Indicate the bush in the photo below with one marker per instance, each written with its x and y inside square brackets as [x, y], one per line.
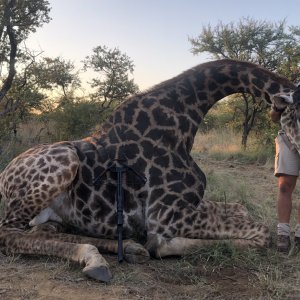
[76, 120]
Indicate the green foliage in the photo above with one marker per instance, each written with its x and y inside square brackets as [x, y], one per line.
[17, 20]
[26, 16]
[289, 65]
[30, 92]
[261, 42]
[49, 73]
[220, 115]
[76, 120]
[113, 84]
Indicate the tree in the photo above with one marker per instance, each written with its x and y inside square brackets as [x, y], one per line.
[77, 116]
[56, 72]
[17, 20]
[271, 45]
[113, 84]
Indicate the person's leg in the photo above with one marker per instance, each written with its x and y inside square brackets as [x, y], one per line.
[287, 167]
[286, 185]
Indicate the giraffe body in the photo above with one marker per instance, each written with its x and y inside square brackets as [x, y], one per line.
[153, 133]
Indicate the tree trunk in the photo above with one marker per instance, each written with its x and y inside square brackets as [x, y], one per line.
[249, 117]
[12, 55]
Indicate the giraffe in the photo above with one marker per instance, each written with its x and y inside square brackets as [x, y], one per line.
[291, 115]
[58, 200]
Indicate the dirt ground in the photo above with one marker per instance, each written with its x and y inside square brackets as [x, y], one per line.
[24, 277]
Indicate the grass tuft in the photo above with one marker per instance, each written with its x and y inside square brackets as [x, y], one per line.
[225, 254]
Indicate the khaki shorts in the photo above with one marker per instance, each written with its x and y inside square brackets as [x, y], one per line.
[287, 159]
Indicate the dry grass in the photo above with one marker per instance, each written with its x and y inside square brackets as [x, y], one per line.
[28, 134]
[225, 144]
[216, 141]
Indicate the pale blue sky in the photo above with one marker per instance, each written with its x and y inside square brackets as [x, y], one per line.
[153, 33]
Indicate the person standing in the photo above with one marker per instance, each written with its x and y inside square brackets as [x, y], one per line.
[287, 168]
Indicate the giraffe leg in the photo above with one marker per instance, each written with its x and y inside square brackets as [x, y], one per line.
[133, 252]
[232, 209]
[207, 225]
[179, 246]
[21, 243]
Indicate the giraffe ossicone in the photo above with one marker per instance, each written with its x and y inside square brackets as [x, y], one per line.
[154, 132]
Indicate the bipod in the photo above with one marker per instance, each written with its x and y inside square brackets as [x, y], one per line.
[120, 170]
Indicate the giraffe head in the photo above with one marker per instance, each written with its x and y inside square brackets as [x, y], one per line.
[290, 102]
[290, 118]
[282, 100]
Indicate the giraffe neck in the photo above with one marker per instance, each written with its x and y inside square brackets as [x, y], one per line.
[171, 112]
[215, 80]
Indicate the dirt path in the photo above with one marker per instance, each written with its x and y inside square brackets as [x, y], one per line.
[24, 277]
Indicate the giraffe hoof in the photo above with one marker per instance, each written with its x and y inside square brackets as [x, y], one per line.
[135, 253]
[99, 273]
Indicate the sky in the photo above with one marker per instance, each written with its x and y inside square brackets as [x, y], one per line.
[153, 33]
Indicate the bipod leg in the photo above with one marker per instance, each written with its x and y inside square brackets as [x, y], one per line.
[120, 208]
